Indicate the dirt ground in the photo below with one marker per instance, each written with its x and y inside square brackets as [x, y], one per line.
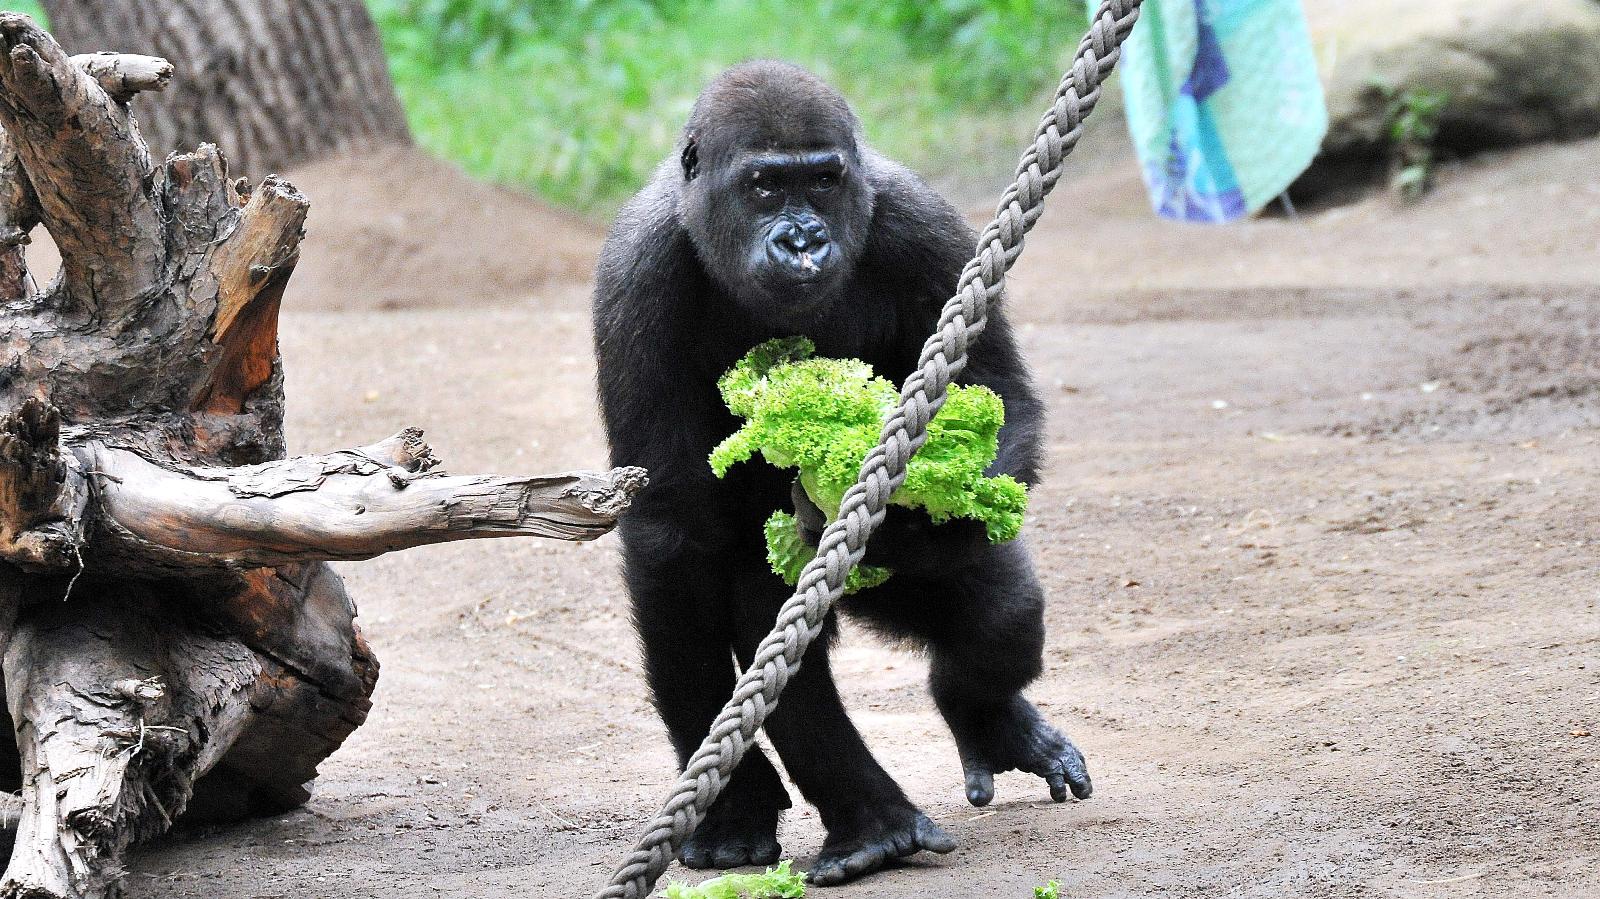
[1320, 532]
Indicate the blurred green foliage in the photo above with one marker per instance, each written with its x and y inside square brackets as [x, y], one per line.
[579, 99]
[1412, 116]
[30, 7]
[985, 50]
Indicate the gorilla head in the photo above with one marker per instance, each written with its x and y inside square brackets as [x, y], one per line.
[774, 196]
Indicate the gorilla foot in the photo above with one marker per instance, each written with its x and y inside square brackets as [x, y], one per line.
[1017, 738]
[891, 834]
[733, 842]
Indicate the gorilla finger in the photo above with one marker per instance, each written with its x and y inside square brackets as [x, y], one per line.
[827, 873]
[809, 517]
[833, 870]
[1057, 780]
[1077, 772]
[980, 784]
[932, 837]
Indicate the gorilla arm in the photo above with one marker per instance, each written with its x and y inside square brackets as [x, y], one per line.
[642, 343]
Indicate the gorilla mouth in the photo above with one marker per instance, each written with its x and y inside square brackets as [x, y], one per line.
[801, 266]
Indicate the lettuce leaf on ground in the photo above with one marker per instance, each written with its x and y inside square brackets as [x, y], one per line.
[775, 883]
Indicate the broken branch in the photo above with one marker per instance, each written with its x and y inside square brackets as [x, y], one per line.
[349, 505]
[252, 267]
[42, 494]
[19, 213]
[124, 74]
[89, 168]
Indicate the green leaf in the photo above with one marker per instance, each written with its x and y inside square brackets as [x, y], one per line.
[823, 416]
[789, 555]
[775, 883]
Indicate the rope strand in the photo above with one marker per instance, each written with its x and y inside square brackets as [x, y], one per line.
[844, 541]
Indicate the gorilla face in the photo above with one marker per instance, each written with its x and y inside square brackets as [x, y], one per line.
[777, 205]
[788, 200]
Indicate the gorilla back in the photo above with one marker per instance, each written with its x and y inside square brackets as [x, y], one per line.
[775, 219]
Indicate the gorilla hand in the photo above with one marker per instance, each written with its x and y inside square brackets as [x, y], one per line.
[907, 541]
[810, 521]
[911, 544]
[1015, 737]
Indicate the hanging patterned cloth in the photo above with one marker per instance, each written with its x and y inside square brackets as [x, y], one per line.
[1223, 102]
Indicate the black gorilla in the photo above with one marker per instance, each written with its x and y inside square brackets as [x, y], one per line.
[776, 220]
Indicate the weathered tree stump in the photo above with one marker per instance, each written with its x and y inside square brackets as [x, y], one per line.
[173, 636]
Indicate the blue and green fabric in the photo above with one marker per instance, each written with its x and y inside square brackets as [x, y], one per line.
[1223, 102]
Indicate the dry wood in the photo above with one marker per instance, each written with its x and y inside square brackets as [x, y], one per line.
[174, 641]
[347, 506]
[124, 74]
[19, 213]
[79, 147]
[43, 493]
[109, 756]
[252, 266]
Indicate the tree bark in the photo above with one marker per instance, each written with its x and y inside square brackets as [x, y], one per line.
[275, 82]
[172, 638]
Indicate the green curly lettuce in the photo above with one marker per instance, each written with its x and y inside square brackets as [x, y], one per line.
[822, 416]
[789, 554]
[774, 883]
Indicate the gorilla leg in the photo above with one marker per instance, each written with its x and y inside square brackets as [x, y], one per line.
[870, 821]
[689, 664]
[984, 628]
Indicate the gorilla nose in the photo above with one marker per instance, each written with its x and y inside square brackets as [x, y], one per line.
[800, 236]
[801, 246]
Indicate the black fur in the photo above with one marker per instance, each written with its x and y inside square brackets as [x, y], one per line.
[700, 267]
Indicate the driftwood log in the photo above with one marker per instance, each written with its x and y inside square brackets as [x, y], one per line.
[174, 640]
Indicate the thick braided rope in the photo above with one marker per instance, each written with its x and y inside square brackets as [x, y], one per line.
[844, 541]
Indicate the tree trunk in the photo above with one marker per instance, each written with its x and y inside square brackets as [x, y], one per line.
[275, 83]
[171, 636]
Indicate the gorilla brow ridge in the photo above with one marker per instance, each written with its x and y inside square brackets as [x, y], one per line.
[771, 105]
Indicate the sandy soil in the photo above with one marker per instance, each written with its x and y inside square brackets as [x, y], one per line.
[400, 229]
[1320, 535]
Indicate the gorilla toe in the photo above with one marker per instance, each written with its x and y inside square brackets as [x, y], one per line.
[894, 835]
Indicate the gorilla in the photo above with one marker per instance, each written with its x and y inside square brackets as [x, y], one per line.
[774, 219]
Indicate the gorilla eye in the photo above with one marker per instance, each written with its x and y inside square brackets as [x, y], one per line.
[761, 191]
[824, 182]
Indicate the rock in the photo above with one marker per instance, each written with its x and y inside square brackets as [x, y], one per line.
[1514, 71]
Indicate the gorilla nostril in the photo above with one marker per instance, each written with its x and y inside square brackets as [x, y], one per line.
[788, 236]
[798, 237]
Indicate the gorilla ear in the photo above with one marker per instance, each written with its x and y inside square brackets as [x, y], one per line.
[691, 157]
